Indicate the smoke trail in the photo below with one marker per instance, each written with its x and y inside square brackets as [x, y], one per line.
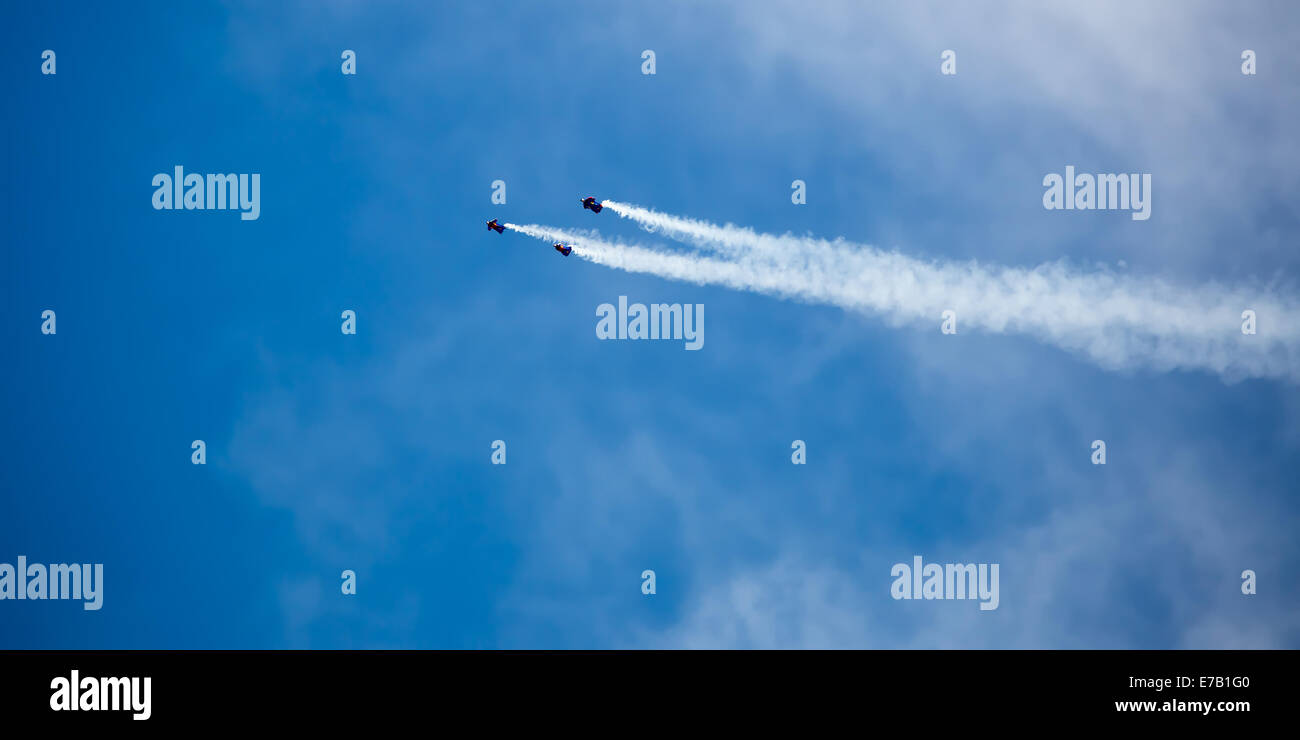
[674, 266]
[1116, 320]
[729, 239]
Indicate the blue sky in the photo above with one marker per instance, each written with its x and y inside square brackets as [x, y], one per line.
[371, 452]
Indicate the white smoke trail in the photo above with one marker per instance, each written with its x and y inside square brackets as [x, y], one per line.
[1116, 320]
[674, 266]
[729, 239]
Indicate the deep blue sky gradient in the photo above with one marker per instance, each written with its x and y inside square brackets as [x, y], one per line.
[371, 452]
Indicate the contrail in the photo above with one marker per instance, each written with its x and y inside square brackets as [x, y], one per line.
[1118, 321]
[731, 240]
[671, 265]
